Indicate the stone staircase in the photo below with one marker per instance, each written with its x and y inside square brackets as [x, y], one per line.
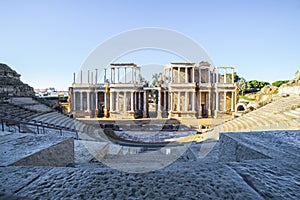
[282, 114]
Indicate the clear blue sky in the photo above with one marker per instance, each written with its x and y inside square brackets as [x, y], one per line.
[46, 41]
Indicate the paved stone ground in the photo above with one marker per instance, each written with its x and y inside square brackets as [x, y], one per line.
[201, 177]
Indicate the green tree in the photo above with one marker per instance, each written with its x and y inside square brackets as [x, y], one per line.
[254, 84]
[263, 84]
[279, 83]
[236, 77]
[242, 85]
[155, 79]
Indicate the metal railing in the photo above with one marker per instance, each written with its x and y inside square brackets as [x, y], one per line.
[40, 127]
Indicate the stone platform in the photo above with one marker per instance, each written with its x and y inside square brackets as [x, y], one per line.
[260, 165]
[19, 149]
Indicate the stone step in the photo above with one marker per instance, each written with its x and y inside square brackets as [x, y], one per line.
[114, 149]
[291, 114]
[296, 112]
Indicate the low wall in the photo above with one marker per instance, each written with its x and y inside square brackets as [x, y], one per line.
[36, 150]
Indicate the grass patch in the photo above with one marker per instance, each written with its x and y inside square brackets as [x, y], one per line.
[246, 98]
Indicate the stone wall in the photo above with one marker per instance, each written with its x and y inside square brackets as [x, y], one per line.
[11, 85]
[291, 90]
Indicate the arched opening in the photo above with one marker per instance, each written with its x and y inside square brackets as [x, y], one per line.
[240, 107]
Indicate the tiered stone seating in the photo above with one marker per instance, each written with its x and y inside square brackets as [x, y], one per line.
[282, 114]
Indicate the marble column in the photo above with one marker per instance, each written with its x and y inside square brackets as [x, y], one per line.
[165, 101]
[125, 71]
[172, 75]
[178, 101]
[186, 75]
[171, 101]
[88, 101]
[125, 102]
[74, 101]
[199, 75]
[134, 75]
[186, 98]
[224, 101]
[232, 75]
[193, 101]
[208, 76]
[105, 101]
[140, 101]
[81, 105]
[200, 106]
[145, 104]
[96, 102]
[131, 102]
[111, 101]
[217, 75]
[225, 75]
[111, 75]
[178, 75]
[117, 102]
[217, 101]
[193, 74]
[209, 104]
[232, 101]
[118, 75]
[158, 104]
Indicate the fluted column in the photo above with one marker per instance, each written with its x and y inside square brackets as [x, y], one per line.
[232, 75]
[111, 101]
[225, 75]
[178, 102]
[165, 101]
[186, 101]
[217, 101]
[178, 75]
[81, 105]
[217, 75]
[105, 101]
[208, 74]
[96, 101]
[132, 99]
[139, 99]
[186, 75]
[200, 106]
[88, 101]
[125, 69]
[117, 102]
[118, 75]
[158, 104]
[199, 75]
[171, 101]
[193, 101]
[209, 104]
[224, 101]
[74, 101]
[145, 104]
[125, 102]
[232, 101]
[193, 74]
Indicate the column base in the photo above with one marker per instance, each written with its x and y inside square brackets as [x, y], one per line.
[106, 113]
[159, 114]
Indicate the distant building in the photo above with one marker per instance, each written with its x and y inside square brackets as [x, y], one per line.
[185, 90]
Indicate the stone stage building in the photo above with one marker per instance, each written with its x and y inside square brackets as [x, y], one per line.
[184, 90]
